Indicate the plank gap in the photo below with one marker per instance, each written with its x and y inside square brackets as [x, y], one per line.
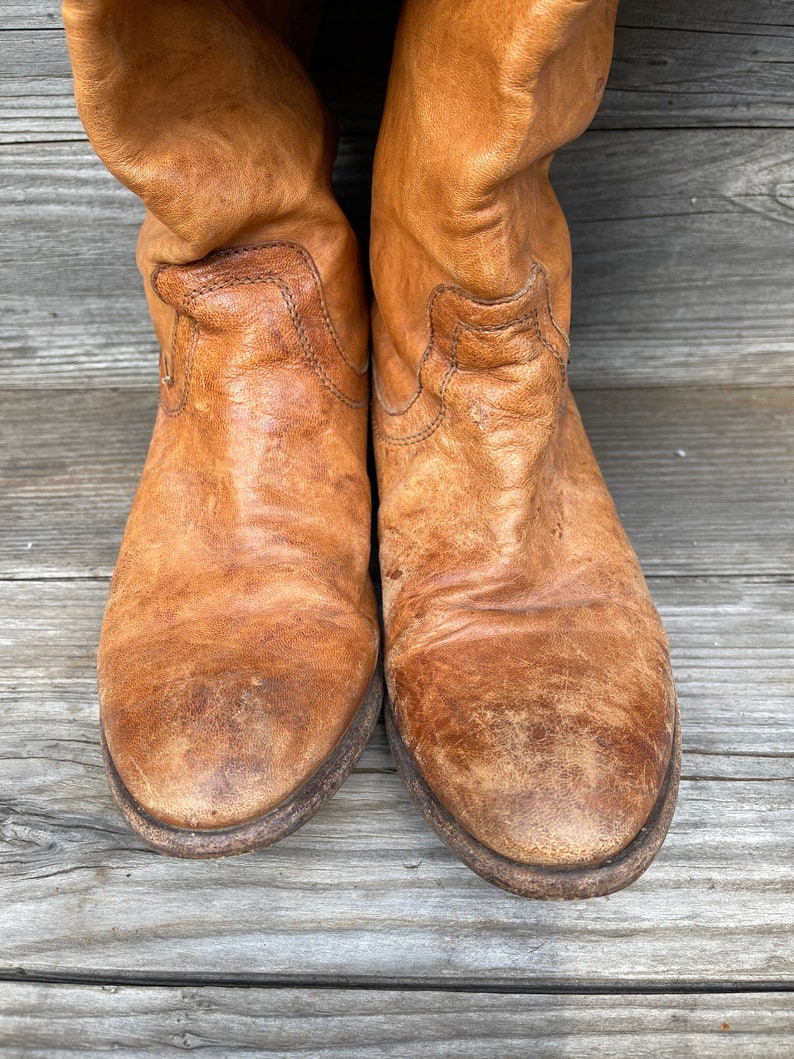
[539, 987]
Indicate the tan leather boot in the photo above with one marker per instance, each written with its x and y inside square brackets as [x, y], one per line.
[531, 707]
[238, 675]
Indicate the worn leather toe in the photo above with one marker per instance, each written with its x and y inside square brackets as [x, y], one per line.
[221, 746]
[554, 760]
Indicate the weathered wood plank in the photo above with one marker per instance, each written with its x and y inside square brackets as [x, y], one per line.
[69, 467]
[682, 256]
[701, 63]
[70, 461]
[683, 266]
[701, 479]
[73, 302]
[698, 64]
[365, 889]
[30, 14]
[85, 1021]
[36, 95]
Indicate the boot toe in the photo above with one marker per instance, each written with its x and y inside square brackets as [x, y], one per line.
[557, 765]
[556, 818]
[212, 750]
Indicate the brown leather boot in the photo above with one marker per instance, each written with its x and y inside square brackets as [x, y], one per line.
[238, 675]
[531, 707]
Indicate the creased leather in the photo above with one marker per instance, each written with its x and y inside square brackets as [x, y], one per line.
[240, 637]
[527, 667]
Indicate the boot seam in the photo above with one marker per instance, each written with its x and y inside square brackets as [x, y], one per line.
[460, 327]
[456, 292]
[308, 260]
[175, 410]
[303, 338]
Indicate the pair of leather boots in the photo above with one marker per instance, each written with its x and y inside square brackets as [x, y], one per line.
[529, 700]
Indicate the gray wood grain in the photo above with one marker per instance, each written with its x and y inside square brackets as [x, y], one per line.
[682, 256]
[30, 14]
[701, 63]
[365, 889]
[73, 299]
[36, 95]
[683, 266]
[70, 461]
[61, 1020]
[700, 478]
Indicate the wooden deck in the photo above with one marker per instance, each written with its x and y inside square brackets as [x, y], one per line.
[361, 935]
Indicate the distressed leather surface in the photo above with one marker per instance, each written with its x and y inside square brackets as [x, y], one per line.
[241, 634]
[527, 666]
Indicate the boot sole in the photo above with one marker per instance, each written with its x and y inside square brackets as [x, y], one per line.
[272, 826]
[536, 881]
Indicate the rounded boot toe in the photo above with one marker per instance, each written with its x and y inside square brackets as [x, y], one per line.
[554, 824]
[213, 751]
[540, 772]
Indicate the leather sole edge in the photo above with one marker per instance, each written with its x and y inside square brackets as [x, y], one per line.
[535, 881]
[272, 826]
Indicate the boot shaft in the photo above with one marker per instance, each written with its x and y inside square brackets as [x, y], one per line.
[480, 97]
[206, 113]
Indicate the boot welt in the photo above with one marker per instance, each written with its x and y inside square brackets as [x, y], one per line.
[274, 825]
[537, 881]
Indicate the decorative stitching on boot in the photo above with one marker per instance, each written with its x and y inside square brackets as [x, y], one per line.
[460, 296]
[435, 423]
[292, 308]
[308, 260]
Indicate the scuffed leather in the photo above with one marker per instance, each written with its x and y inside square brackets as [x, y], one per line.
[240, 637]
[527, 667]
